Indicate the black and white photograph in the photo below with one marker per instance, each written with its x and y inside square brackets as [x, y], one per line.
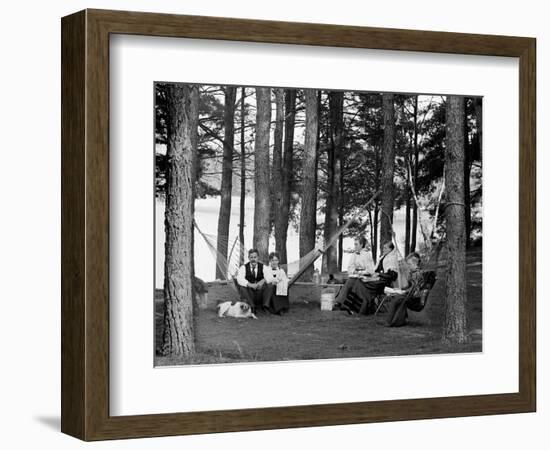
[309, 223]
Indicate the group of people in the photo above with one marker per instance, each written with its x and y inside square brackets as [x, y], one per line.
[367, 282]
[264, 288]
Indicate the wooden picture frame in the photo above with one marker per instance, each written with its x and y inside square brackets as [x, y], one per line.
[85, 224]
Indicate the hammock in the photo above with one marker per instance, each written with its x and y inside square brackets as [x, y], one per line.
[228, 266]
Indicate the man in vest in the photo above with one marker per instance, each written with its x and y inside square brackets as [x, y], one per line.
[250, 279]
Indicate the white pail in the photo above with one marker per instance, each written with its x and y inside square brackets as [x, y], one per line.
[327, 300]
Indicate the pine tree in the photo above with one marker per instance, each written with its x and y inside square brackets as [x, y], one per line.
[178, 335]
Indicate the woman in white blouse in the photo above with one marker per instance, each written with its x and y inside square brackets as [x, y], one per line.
[275, 295]
[360, 265]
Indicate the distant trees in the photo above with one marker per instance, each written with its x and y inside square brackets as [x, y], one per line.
[262, 200]
[182, 117]
[455, 329]
[419, 136]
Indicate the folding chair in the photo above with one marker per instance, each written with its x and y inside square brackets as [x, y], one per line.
[416, 304]
[382, 301]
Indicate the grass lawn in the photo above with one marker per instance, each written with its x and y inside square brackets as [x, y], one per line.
[306, 332]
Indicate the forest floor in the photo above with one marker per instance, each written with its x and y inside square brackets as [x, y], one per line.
[306, 332]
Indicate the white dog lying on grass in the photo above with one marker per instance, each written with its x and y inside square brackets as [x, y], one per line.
[237, 309]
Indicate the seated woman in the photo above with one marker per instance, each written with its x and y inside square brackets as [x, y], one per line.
[413, 296]
[360, 265]
[275, 294]
[365, 291]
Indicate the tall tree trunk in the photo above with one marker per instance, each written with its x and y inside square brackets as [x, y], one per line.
[455, 330]
[334, 169]
[479, 126]
[374, 245]
[243, 179]
[467, 167]
[341, 209]
[377, 168]
[414, 230]
[309, 196]
[178, 335]
[262, 200]
[340, 240]
[408, 208]
[371, 229]
[282, 216]
[227, 180]
[194, 127]
[277, 166]
[388, 164]
[407, 152]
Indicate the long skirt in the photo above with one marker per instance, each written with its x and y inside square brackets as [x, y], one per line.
[275, 303]
[397, 311]
[348, 286]
[367, 292]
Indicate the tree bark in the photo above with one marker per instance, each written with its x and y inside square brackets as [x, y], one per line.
[374, 244]
[388, 164]
[309, 196]
[227, 180]
[407, 157]
[282, 216]
[455, 330]
[194, 127]
[408, 209]
[334, 170]
[243, 179]
[467, 149]
[178, 334]
[277, 167]
[479, 126]
[262, 200]
[415, 178]
[377, 168]
[371, 231]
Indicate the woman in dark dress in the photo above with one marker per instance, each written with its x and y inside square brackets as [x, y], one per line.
[275, 295]
[413, 297]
